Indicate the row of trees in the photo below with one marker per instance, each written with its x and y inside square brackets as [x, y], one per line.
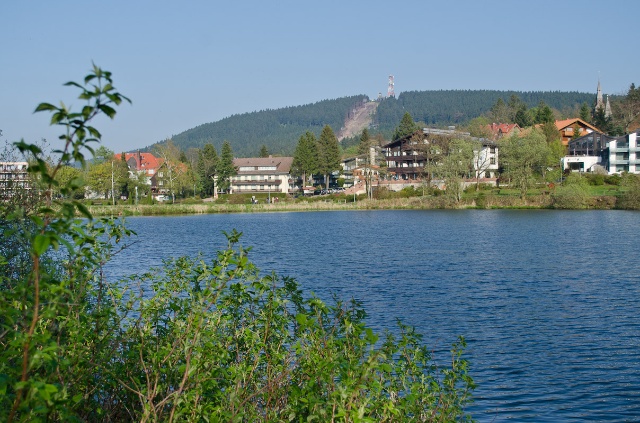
[317, 155]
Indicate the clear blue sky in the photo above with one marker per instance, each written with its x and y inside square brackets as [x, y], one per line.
[188, 63]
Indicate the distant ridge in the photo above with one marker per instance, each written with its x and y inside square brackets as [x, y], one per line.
[280, 129]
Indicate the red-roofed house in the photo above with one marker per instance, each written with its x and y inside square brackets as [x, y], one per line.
[143, 165]
[499, 130]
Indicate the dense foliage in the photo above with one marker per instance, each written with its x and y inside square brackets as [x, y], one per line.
[194, 341]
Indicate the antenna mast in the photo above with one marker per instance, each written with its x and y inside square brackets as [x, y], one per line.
[390, 90]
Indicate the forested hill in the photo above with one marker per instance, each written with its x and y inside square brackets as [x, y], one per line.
[280, 129]
[457, 107]
[277, 129]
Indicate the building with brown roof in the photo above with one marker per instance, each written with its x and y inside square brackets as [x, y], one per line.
[263, 174]
[569, 127]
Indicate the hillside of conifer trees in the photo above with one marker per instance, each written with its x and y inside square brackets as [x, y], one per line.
[280, 129]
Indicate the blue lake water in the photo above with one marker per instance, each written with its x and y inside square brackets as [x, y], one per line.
[548, 301]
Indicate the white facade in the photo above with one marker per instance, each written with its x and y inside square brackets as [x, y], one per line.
[581, 163]
[485, 161]
[624, 154]
[621, 154]
[262, 174]
[13, 176]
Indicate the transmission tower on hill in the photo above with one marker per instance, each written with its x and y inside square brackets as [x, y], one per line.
[390, 90]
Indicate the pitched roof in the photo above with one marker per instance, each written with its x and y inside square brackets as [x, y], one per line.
[561, 124]
[282, 164]
[500, 129]
[144, 161]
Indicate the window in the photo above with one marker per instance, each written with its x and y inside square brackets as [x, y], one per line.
[492, 160]
[160, 174]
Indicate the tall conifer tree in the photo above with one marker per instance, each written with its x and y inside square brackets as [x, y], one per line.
[207, 164]
[225, 167]
[406, 127]
[328, 153]
[305, 159]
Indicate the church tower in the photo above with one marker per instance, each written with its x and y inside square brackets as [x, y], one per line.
[599, 100]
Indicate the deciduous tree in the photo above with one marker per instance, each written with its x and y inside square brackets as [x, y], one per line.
[627, 111]
[172, 165]
[456, 165]
[523, 158]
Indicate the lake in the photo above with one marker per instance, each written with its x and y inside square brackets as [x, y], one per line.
[548, 301]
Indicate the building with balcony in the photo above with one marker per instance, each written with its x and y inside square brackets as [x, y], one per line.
[407, 157]
[568, 129]
[263, 175]
[623, 154]
[597, 151]
[13, 178]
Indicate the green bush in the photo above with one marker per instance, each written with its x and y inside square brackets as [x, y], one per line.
[573, 194]
[613, 179]
[194, 340]
[630, 198]
[596, 179]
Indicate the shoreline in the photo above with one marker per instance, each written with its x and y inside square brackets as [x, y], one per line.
[543, 202]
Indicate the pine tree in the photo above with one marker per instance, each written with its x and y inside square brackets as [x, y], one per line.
[328, 153]
[207, 164]
[523, 117]
[365, 142]
[585, 113]
[225, 167]
[305, 159]
[263, 151]
[544, 114]
[406, 127]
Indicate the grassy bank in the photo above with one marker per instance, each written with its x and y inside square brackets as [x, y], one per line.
[489, 200]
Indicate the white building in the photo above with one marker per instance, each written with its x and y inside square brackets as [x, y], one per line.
[13, 177]
[263, 174]
[624, 154]
[598, 151]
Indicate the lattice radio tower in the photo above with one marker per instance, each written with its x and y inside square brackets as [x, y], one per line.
[390, 90]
